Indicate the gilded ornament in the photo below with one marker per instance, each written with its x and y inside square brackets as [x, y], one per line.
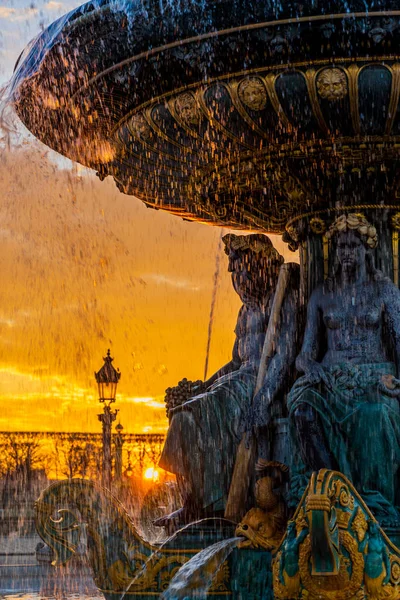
[332, 84]
[253, 94]
[396, 221]
[188, 109]
[286, 571]
[301, 521]
[357, 222]
[360, 525]
[318, 502]
[317, 226]
[395, 572]
[221, 212]
[343, 585]
[220, 582]
[368, 566]
[343, 518]
[140, 127]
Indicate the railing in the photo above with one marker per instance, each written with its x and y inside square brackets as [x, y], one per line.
[77, 454]
[30, 460]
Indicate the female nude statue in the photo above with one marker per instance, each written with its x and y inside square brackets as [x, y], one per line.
[345, 410]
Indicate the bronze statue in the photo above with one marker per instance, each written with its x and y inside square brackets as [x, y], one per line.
[205, 430]
[345, 409]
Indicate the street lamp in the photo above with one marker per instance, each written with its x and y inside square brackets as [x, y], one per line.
[119, 442]
[107, 380]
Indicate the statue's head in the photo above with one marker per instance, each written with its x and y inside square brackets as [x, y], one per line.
[355, 238]
[373, 527]
[254, 264]
[271, 476]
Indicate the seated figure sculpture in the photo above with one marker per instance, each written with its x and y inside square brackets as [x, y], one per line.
[205, 430]
[344, 412]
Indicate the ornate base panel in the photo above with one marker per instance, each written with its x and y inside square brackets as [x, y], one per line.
[124, 565]
[334, 548]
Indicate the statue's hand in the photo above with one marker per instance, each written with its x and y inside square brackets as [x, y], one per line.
[316, 373]
[390, 386]
[198, 387]
[259, 414]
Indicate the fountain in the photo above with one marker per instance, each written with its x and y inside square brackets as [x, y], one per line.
[280, 117]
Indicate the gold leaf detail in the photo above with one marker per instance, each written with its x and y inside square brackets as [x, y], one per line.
[139, 127]
[317, 226]
[332, 84]
[360, 525]
[343, 519]
[396, 221]
[395, 572]
[187, 109]
[253, 94]
[344, 585]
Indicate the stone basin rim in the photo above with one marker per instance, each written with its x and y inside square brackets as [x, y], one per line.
[218, 33]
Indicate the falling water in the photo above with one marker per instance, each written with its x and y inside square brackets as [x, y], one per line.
[213, 299]
[39, 596]
[158, 553]
[194, 579]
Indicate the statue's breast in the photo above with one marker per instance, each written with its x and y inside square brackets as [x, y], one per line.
[250, 322]
[250, 332]
[360, 317]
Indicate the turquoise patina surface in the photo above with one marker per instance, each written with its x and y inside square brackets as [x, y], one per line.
[361, 424]
[344, 411]
[205, 430]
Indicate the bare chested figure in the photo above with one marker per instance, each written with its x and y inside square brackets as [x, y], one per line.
[205, 431]
[346, 406]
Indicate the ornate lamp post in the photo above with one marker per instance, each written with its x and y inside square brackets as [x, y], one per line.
[107, 380]
[119, 442]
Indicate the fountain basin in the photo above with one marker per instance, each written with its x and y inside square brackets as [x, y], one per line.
[246, 117]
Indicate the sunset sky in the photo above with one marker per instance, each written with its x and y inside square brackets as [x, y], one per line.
[85, 268]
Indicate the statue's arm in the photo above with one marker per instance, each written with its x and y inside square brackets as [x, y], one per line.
[282, 361]
[282, 568]
[392, 315]
[302, 536]
[231, 366]
[386, 562]
[364, 543]
[307, 360]
[310, 349]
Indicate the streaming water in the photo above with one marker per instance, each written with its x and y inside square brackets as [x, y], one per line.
[39, 596]
[195, 577]
[213, 301]
[155, 555]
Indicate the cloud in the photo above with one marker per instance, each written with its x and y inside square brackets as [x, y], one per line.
[7, 322]
[148, 401]
[13, 15]
[159, 278]
[52, 5]
[6, 12]
[61, 231]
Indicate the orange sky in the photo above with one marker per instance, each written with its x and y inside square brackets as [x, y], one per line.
[84, 268]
